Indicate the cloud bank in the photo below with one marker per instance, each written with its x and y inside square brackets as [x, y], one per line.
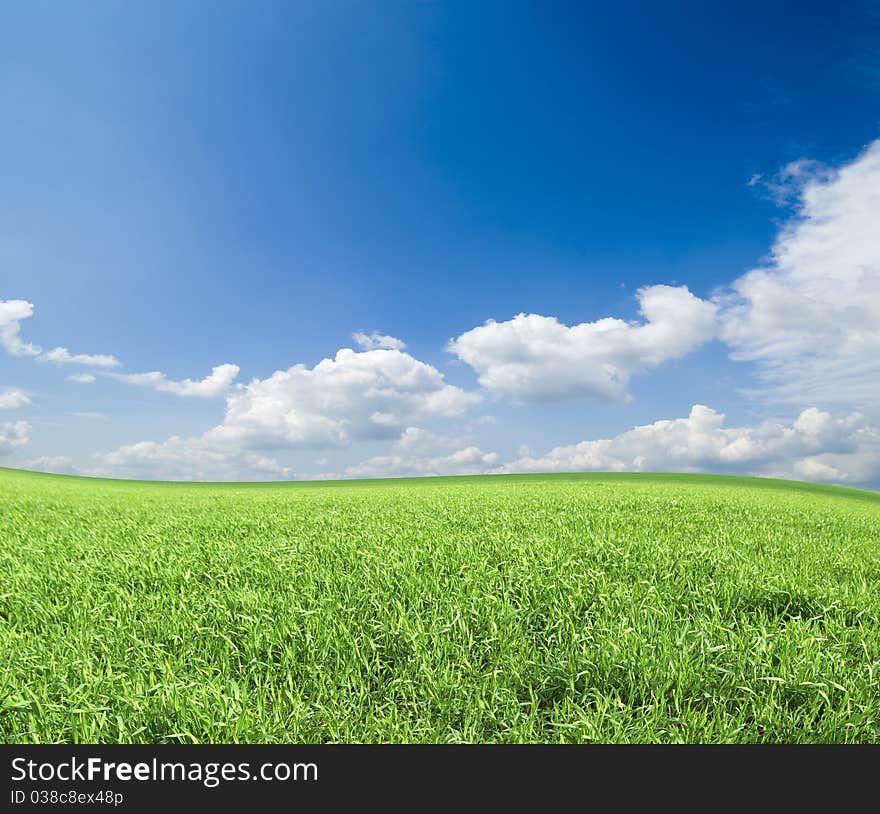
[815, 446]
[188, 459]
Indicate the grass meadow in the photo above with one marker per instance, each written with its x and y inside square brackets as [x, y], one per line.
[558, 608]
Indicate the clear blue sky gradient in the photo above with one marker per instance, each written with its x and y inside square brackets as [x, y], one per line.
[186, 184]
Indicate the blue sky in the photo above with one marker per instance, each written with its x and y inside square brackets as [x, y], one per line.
[191, 185]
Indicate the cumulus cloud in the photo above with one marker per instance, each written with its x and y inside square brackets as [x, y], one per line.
[810, 315]
[377, 341]
[13, 399]
[353, 396]
[81, 378]
[13, 434]
[536, 358]
[815, 446]
[215, 384]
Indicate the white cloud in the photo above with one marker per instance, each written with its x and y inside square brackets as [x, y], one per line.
[816, 446]
[416, 453]
[188, 459]
[787, 185]
[213, 385]
[62, 356]
[535, 358]
[808, 318]
[81, 378]
[377, 341]
[810, 315]
[468, 461]
[354, 396]
[12, 312]
[13, 434]
[13, 399]
[415, 440]
[56, 464]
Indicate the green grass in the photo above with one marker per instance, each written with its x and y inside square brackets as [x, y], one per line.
[576, 608]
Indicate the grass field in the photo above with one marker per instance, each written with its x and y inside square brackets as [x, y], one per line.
[611, 608]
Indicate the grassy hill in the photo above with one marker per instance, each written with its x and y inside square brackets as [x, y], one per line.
[525, 608]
